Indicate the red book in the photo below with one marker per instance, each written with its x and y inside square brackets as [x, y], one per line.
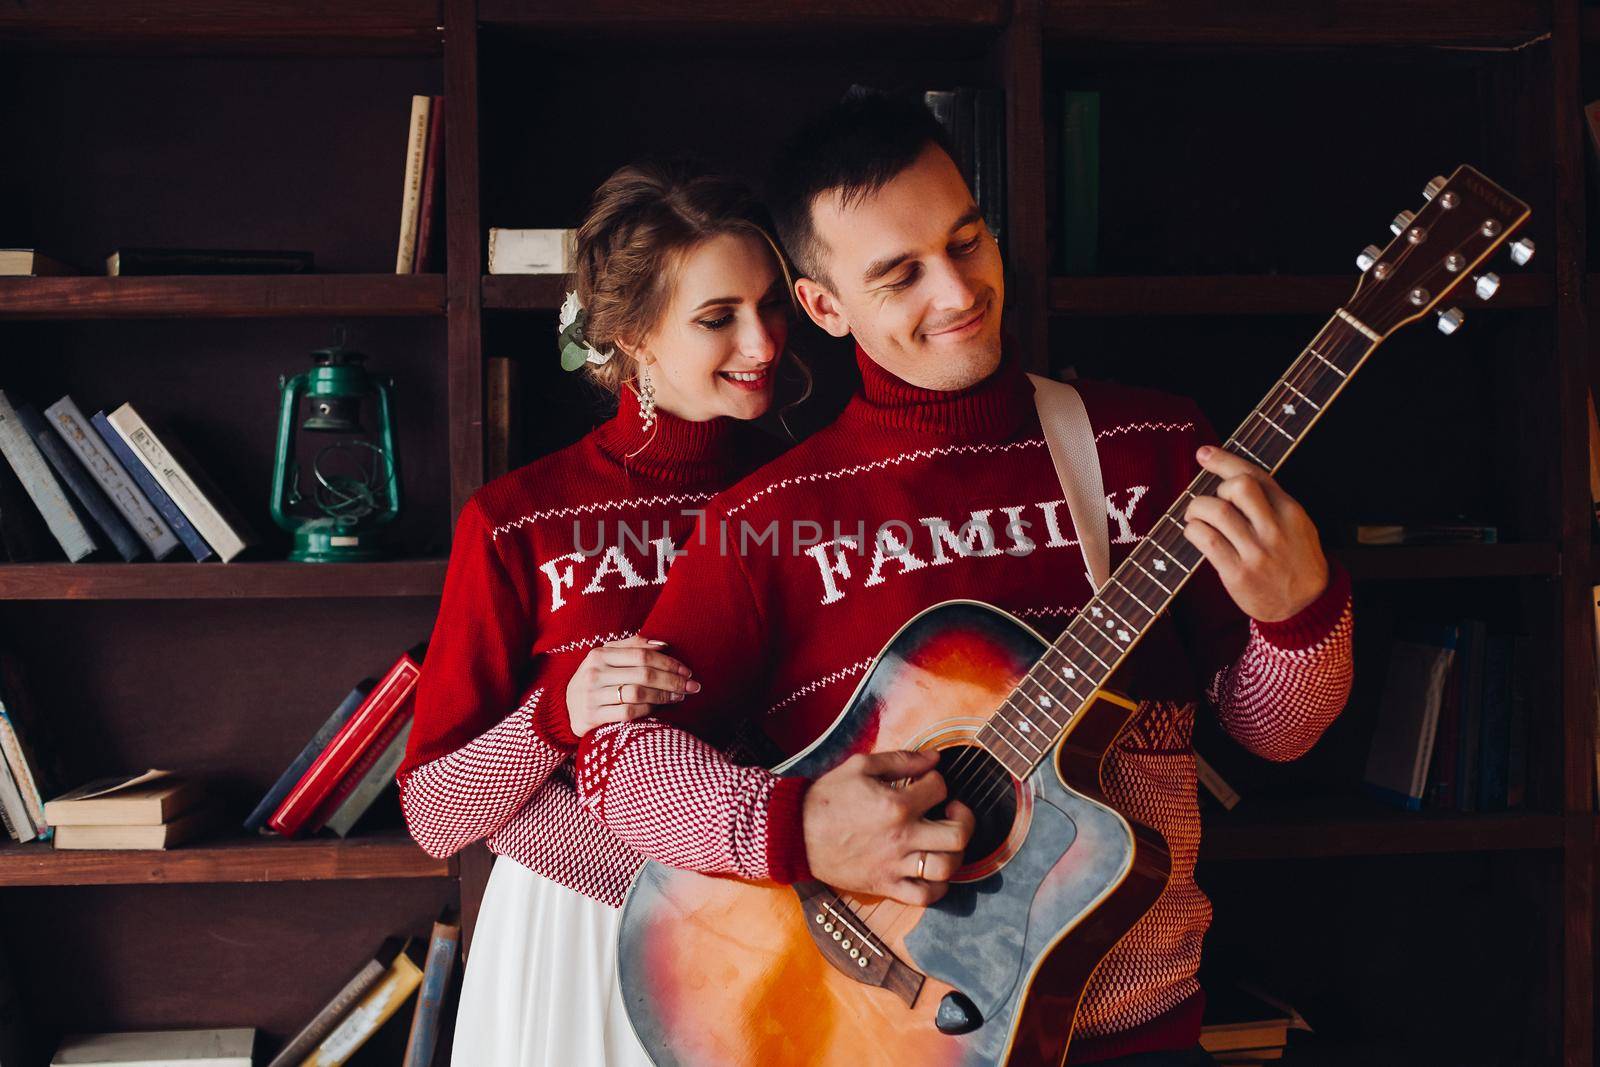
[432, 172]
[369, 756]
[386, 703]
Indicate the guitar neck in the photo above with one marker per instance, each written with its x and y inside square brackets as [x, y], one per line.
[1036, 714]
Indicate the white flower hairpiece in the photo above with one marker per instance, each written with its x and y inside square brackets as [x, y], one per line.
[575, 348]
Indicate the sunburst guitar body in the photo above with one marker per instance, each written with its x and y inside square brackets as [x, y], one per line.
[718, 971]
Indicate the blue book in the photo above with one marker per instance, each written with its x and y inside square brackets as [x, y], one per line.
[91, 499]
[430, 997]
[1408, 717]
[1494, 751]
[308, 755]
[1469, 658]
[152, 490]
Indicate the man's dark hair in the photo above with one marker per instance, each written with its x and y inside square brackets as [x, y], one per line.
[854, 148]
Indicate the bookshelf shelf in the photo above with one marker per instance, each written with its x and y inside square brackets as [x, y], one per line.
[523, 292]
[222, 297]
[1245, 294]
[211, 581]
[1358, 829]
[1341, 22]
[254, 859]
[812, 14]
[1401, 562]
[266, 25]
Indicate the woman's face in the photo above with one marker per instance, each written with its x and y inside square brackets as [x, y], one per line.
[716, 348]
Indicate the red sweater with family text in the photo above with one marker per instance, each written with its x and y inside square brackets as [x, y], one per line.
[910, 498]
[549, 561]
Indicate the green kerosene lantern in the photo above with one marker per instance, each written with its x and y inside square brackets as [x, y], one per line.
[356, 479]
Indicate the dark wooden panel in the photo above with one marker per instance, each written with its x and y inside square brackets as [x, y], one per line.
[464, 249]
[1341, 22]
[227, 298]
[264, 153]
[722, 14]
[1293, 180]
[159, 957]
[524, 292]
[1027, 256]
[1420, 562]
[213, 385]
[224, 691]
[258, 20]
[226, 581]
[1333, 831]
[1385, 955]
[225, 859]
[1261, 294]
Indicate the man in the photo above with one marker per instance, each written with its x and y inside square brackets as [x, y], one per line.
[935, 484]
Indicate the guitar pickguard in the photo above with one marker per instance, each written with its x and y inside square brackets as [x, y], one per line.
[984, 937]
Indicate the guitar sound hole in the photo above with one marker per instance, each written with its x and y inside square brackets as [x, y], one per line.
[979, 781]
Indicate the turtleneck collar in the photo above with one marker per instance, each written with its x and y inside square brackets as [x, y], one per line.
[675, 450]
[990, 409]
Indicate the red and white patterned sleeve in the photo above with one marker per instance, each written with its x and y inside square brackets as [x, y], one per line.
[679, 801]
[1293, 677]
[476, 790]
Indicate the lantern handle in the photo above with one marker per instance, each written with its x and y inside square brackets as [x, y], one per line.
[289, 403]
[386, 417]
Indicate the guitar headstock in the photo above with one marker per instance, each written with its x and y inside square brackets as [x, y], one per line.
[1436, 250]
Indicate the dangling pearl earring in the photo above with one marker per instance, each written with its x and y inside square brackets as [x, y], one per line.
[647, 399]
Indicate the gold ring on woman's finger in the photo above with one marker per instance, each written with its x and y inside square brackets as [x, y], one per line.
[922, 865]
[619, 694]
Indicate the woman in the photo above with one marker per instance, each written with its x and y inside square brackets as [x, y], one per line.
[682, 311]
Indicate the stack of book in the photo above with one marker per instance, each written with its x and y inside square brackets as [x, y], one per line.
[349, 762]
[1245, 1027]
[109, 483]
[373, 995]
[170, 1048]
[30, 768]
[152, 810]
[1452, 731]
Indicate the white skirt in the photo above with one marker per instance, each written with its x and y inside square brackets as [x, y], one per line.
[541, 985]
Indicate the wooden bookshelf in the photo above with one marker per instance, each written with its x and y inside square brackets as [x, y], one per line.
[1253, 295]
[1435, 23]
[241, 860]
[1351, 828]
[294, 295]
[1421, 562]
[226, 581]
[311, 158]
[531, 292]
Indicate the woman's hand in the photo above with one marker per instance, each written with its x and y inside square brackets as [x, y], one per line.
[623, 680]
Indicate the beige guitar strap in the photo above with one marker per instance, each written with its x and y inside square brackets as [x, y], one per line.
[1071, 440]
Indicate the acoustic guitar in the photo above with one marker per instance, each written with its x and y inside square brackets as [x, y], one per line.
[719, 972]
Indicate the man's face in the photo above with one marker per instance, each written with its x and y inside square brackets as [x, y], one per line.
[914, 274]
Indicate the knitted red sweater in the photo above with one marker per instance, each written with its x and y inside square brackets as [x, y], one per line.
[913, 497]
[529, 591]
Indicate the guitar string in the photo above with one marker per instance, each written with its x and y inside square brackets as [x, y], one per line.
[1306, 378]
[1308, 375]
[1288, 382]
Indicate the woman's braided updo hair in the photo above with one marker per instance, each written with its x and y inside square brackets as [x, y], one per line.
[642, 219]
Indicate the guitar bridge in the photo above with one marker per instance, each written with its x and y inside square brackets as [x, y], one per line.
[849, 944]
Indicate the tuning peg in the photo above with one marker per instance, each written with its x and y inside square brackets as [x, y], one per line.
[1369, 255]
[1487, 284]
[1450, 321]
[1432, 189]
[1521, 251]
[1401, 221]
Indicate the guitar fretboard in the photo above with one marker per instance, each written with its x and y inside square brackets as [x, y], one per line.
[1063, 682]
